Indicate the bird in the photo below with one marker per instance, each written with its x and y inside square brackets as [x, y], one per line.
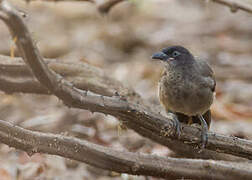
[186, 88]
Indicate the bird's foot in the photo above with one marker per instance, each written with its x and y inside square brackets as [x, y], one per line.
[175, 129]
[204, 131]
[204, 139]
[177, 126]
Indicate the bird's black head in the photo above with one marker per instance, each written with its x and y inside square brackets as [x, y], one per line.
[177, 53]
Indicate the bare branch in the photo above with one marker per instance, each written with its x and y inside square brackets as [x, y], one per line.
[235, 5]
[103, 7]
[140, 118]
[90, 79]
[28, 1]
[15, 76]
[107, 5]
[122, 162]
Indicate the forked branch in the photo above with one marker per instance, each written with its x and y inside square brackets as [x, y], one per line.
[236, 5]
[138, 117]
[122, 162]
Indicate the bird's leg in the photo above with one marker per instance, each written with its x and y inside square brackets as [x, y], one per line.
[204, 130]
[176, 124]
[176, 129]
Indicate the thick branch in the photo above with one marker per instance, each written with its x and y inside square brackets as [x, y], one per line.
[123, 162]
[235, 5]
[137, 117]
[88, 78]
[15, 76]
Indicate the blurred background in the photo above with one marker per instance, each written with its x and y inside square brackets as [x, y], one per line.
[121, 43]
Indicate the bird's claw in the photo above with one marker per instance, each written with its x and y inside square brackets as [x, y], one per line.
[204, 131]
[204, 138]
[177, 127]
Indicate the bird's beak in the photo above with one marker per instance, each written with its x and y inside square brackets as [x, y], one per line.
[160, 56]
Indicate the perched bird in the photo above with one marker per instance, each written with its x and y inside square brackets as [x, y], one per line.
[186, 88]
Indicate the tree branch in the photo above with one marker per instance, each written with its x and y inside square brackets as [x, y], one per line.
[103, 7]
[138, 117]
[107, 5]
[235, 5]
[15, 76]
[122, 162]
[28, 1]
[87, 78]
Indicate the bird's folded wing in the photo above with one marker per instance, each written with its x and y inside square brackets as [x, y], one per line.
[206, 71]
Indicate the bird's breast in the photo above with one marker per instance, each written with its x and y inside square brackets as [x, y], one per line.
[184, 94]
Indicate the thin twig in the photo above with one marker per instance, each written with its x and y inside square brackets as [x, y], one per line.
[28, 1]
[103, 7]
[107, 5]
[235, 5]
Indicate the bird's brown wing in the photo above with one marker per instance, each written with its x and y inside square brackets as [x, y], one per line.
[206, 71]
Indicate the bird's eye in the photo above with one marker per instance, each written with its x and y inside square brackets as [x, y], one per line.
[175, 53]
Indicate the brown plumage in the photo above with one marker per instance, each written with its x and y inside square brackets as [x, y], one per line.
[186, 87]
